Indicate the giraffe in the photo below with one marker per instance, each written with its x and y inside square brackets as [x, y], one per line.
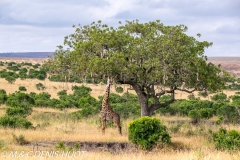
[107, 114]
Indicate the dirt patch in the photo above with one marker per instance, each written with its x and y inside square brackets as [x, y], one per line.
[112, 147]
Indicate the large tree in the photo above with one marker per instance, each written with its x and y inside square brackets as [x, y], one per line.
[152, 58]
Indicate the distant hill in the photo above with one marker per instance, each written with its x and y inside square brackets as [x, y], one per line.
[230, 64]
[26, 54]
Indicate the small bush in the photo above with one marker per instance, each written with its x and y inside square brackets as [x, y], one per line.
[229, 113]
[60, 145]
[10, 79]
[20, 139]
[22, 88]
[147, 131]
[40, 86]
[226, 140]
[219, 97]
[62, 93]
[119, 89]
[194, 115]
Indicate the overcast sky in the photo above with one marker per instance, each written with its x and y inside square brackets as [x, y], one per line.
[40, 25]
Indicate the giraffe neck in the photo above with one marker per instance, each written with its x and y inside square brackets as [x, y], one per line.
[106, 96]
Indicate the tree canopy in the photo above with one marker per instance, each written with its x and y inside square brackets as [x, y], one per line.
[152, 58]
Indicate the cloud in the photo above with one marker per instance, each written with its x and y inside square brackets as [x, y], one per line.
[42, 24]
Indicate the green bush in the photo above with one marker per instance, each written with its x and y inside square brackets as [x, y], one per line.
[40, 76]
[20, 100]
[119, 89]
[22, 88]
[226, 140]
[62, 93]
[10, 79]
[15, 122]
[148, 131]
[3, 96]
[229, 113]
[219, 97]
[194, 115]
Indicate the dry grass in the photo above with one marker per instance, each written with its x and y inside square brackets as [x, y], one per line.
[183, 148]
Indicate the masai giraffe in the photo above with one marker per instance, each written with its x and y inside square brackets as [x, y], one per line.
[107, 114]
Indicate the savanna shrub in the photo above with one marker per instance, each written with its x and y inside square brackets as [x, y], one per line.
[15, 122]
[147, 131]
[229, 113]
[62, 93]
[10, 79]
[20, 100]
[40, 86]
[119, 89]
[219, 97]
[22, 88]
[3, 96]
[226, 140]
[194, 115]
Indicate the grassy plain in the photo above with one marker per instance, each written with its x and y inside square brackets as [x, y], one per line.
[189, 142]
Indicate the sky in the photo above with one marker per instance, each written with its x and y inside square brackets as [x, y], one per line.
[41, 25]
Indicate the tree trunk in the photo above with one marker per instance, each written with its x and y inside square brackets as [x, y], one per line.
[144, 108]
[143, 100]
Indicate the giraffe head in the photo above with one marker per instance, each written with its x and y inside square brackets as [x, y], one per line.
[109, 82]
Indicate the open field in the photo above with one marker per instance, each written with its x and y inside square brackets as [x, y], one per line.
[53, 126]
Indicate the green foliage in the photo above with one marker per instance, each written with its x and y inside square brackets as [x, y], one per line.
[35, 66]
[27, 64]
[10, 79]
[2, 91]
[62, 93]
[233, 86]
[22, 88]
[206, 113]
[194, 115]
[40, 86]
[15, 122]
[41, 74]
[60, 145]
[146, 55]
[119, 89]
[203, 94]
[81, 91]
[172, 109]
[42, 99]
[147, 131]
[229, 113]
[13, 68]
[19, 100]
[219, 97]
[220, 120]
[226, 140]
[3, 96]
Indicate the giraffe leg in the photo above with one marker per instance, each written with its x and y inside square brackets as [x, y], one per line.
[103, 126]
[119, 127]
